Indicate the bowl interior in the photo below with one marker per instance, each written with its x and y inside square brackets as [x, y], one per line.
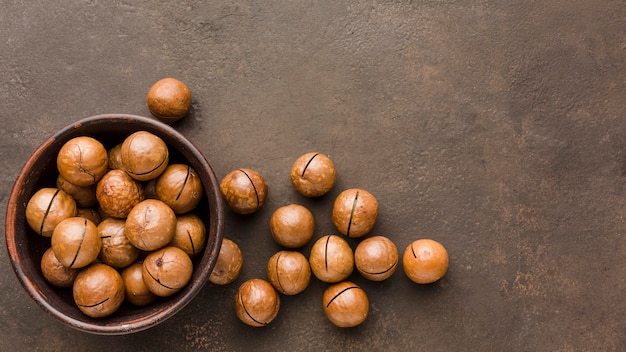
[26, 247]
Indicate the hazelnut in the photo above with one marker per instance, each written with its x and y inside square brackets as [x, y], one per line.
[228, 265]
[289, 272]
[144, 155]
[118, 193]
[56, 273]
[83, 196]
[167, 271]
[345, 304]
[292, 226]
[425, 261]
[257, 303]
[150, 225]
[82, 161]
[47, 208]
[190, 234]
[354, 212]
[75, 242]
[169, 100]
[376, 258]
[98, 290]
[180, 187]
[244, 190]
[136, 291]
[313, 174]
[117, 251]
[331, 259]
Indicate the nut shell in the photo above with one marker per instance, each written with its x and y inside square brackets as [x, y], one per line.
[117, 251]
[167, 271]
[82, 161]
[144, 155]
[56, 273]
[136, 291]
[75, 242]
[118, 193]
[289, 272]
[345, 304]
[98, 290]
[425, 261]
[169, 100]
[313, 174]
[354, 212]
[115, 158]
[331, 259]
[150, 225]
[257, 303]
[83, 196]
[190, 234]
[292, 226]
[244, 190]
[228, 265]
[47, 208]
[180, 187]
[376, 258]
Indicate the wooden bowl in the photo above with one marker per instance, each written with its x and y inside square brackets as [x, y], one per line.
[26, 248]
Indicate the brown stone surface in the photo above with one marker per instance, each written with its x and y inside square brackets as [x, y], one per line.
[495, 127]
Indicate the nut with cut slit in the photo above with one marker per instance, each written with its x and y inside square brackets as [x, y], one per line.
[180, 187]
[425, 261]
[345, 304]
[82, 161]
[313, 174]
[98, 290]
[190, 234]
[144, 155]
[289, 272]
[167, 271]
[257, 303]
[355, 212]
[228, 265]
[376, 258]
[244, 190]
[150, 225]
[331, 259]
[47, 208]
[75, 242]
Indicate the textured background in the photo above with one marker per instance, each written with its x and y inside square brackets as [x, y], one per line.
[495, 127]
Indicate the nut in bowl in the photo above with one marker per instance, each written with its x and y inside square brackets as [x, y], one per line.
[26, 247]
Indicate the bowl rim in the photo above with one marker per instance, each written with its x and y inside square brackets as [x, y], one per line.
[215, 230]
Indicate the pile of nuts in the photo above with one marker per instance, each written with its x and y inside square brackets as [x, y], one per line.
[292, 226]
[120, 222]
[331, 259]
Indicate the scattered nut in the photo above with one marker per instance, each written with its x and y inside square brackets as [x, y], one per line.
[354, 212]
[331, 259]
[425, 261]
[244, 190]
[257, 303]
[313, 174]
[345, 304]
